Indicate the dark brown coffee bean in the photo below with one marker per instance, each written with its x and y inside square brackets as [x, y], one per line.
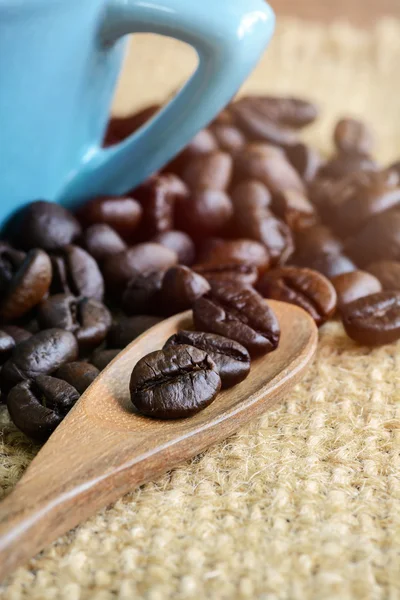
[240, 273]
[258, 126]
[295, 209]
[269, 165]
[373, 320]
[101, 358]
[119, 128]
[78, 374]
[142, 294]
[305, 159]
[212, 171]
[180, 288]
[122, 214]
[7, 345]
[47, 225]
[250, 195]
[179, 242]
[174, 383]
[38, 407]
[229, 138]
[203, 142]
[305, 288]
[101, 240]
[59, 282]
[239, 313]
[83, 274]
[216, 251]
[317, 240]
[388, 273]
[354, 285]
[206, 212]
[17, 333]
[232, 359]
[352, 135]
[143, 258]
[10, 261]
[225, 117]
[379, 239]
[28, 286]
[291, 112]
[345, 164]
[41, 354]
[329, 265]
[126, 329]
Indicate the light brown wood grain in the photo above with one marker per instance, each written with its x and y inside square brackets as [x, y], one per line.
[103, 449]
[359, 12]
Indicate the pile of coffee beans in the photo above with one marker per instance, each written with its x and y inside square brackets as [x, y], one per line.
[246, 211]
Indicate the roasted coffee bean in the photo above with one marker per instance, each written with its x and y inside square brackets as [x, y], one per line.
[291, 112]
[119, 128]
[239, 313]
[232, 359]
[203, 142]
[212, 171]
[28, 286]
[229, 138]
[240, 273]
[87, 318]
[38, 407]
[305, 160]
[318, 239]
[143, 258]
[122, 214]
[373, 320]
[78, 374]
[101, 240]
[59, 282]
[249, 195]
[126, 329]
[83, 274]
[17, 333]
[101, 358]
[269, 165]
[388, 273]
[305, 288]
[7, 345]
[47, 225]
[179, 242]
[217, 251]
[142, 293]
[295, 209]
[10, 261]
[180, 288]
[354, 285]
[206, 212]
[329, 264]
[41, 354]
[344, 164]
[379, 239]
[352, 135]
[225, 117]
[174, 383]
[257, 125]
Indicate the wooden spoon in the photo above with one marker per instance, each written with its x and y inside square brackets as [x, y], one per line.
[103, 449]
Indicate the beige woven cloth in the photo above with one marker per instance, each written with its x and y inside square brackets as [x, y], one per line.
[303, 504]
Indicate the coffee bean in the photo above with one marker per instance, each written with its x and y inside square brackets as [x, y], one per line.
[373, 320]
[225, 117]
[180, 288]
[78, 374]
[305, 288]
[295, 209]
[388, 273]
[206, 212]
[29, 285]
[41, 354]
[59, 282]
[231, 359]
[17, 333]
[10, 261]
[119, 128]
[354, 285]
[122, 214]
[240, 273]
[83, 274]
[101, 240]
[257, 124]
[7, 345]
[38, 407]
[305, 159]
[87, 318]
[318, 239]
[143, 293]
[291, 112]
[352, 135]
[329, 264]
[203, 142]
[174, 383]
[126, 329]
[344, 164]
[179, 242]
[217, 251]
[229, 138]
[101, 358]
[212, 171]
[379, 239]
[143, 258]
[249, 195]
[239, 313]
[47, 225]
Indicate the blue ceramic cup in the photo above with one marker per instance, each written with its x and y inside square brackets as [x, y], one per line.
[59, 63]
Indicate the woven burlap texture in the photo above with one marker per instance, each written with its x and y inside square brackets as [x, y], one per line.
[303, 504]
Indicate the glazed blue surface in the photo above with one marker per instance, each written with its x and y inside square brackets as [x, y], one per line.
[59, 64]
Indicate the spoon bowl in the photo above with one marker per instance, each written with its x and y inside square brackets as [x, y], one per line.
[103, 448]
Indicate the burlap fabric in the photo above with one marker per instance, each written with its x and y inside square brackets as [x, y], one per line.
[303, 504]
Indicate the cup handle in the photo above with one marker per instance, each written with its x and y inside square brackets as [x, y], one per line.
[229, 37]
